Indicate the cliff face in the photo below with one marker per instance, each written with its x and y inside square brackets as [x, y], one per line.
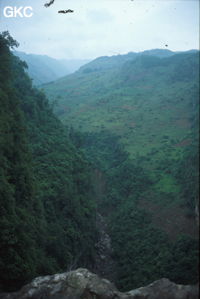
[82, 284]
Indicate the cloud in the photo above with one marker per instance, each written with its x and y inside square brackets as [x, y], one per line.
[103, 27]
[99, 16]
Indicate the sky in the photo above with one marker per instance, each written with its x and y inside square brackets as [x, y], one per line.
[103, 27]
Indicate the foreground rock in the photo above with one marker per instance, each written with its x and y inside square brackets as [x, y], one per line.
[82, 284]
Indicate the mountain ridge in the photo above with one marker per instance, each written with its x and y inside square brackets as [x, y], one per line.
[43, 69]
[114, 60]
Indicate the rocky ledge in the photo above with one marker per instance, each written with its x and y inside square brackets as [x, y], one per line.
[82, 284]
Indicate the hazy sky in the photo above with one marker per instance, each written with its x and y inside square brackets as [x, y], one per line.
[104, 27]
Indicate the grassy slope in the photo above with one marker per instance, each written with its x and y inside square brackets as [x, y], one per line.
[149, 103]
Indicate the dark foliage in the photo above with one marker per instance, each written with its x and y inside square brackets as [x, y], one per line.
[47, 210]
[143, 252]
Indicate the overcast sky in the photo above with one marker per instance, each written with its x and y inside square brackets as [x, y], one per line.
[104, 27]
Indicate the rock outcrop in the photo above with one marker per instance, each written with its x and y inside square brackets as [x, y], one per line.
[82, 284]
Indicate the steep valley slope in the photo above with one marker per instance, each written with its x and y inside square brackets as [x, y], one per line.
[47, 214]
[111, 188]
[138, 118]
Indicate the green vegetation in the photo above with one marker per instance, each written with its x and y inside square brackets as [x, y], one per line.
[129, 151]
[145, 249]
[47, 216]
[137, 120]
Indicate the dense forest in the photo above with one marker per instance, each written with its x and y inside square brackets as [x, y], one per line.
[126, 146]
[47, 208]
[146, 246]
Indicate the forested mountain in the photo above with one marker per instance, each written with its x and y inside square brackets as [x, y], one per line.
[47, 215]
[43, 69]
[127, 150]
[138, 120]
[110, 62]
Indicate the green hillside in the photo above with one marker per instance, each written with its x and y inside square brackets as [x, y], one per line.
[148, 102]
[47, 215]
[110, 62]
[137, 121]
[126, 152]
